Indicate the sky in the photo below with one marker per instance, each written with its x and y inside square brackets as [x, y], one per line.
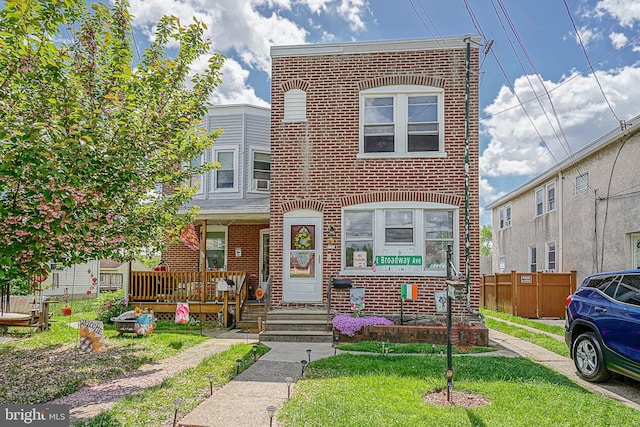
[555, 74]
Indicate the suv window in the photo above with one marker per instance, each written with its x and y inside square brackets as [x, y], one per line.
[601, 283]
[628, 290]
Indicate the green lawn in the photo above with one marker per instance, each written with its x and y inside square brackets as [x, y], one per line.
[350, 390]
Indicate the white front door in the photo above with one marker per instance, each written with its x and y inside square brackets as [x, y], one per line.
[302, 257]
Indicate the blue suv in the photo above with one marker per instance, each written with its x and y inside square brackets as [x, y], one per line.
[603, 325]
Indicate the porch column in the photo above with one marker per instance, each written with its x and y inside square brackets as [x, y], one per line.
[203, 260]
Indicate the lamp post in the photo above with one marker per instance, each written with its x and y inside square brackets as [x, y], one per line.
[255, 352]
[176, 405]
[271, 410]
[335, 348]
[238, 363]
[309, 354]
[210, 376]
[289, 380]
[304, 366]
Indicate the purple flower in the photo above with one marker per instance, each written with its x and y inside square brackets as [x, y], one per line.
[349, 325]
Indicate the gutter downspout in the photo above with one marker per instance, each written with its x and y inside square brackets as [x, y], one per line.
[559, 205]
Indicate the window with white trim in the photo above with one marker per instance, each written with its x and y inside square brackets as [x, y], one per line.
[225, 175]
[401, 120]
[399, 238]
[216, 247]
[550, 249]
[504, 215]
[582, 183]
[533, 259]
[539, 202]
[261, 171]
[551, 196]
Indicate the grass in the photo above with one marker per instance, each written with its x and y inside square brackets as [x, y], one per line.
[47, 364]
[556, 330]
[154, 405]
[543, 340]
[349, 390]
[409, 348]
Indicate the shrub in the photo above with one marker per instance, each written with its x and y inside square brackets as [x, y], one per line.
[111, 305]
[349, 325]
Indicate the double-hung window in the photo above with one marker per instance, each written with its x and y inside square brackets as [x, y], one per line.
[551, 196]
[545, 199]
[505, 217]
[261, 171]
[401, 121]
[398, 238]
[551, 256]
[225, 175]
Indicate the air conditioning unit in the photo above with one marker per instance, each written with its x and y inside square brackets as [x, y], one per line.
[261, 184]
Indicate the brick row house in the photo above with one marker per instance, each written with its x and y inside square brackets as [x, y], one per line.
[368, 172]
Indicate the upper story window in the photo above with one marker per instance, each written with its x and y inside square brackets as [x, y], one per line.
[295, 106]
[261, 171]
[545, 199]
[551, 197]
[225, 175]
[504, 215]
[197, 180]
[401, 121]
[385, 238]
[582, 183]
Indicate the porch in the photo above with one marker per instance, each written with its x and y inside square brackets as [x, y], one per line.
[213, 296]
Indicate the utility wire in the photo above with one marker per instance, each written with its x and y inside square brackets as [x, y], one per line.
[593, 71]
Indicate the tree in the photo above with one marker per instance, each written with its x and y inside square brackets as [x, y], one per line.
[486, 240]
[88, 131]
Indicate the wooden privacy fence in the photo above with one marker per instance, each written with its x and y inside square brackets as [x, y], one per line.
[532, 295]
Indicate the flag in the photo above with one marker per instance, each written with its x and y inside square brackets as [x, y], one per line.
[190, 238]
[91, 336]
[182, 312]
[409, 292]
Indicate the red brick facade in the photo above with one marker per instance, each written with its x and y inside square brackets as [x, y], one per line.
[315, 163]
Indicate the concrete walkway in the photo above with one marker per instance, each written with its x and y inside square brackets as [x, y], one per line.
[243, 401]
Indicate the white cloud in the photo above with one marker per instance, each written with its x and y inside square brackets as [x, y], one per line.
[618, 39]
[488, 191]
[351, 11]
[587, 35]
[515, 140]
[626, 12]
[234, 88]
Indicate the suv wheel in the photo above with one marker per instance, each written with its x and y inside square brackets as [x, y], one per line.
[587, 356]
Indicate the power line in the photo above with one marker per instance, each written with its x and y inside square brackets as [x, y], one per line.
[593, 71]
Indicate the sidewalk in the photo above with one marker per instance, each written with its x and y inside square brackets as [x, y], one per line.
[243, 401]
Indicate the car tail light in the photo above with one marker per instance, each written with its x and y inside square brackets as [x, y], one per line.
[568, 300]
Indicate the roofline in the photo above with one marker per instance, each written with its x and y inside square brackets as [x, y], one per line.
[443, 43]
[608, 138]
[237, 108]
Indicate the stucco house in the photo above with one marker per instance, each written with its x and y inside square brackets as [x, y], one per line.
[368, 173]
[582, 214]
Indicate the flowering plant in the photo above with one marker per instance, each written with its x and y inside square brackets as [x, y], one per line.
[349, 325]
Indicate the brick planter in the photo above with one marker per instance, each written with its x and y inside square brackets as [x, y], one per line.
[432, 334]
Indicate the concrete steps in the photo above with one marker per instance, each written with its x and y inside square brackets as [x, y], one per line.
[302, 325]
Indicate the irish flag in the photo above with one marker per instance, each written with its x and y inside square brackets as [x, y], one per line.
[409, 291]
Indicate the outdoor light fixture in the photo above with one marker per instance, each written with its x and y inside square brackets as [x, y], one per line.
[289, 380]
[271, 410]
[255, 352]
[304, 366]
[211, 376]
[176, 405]
[309, 354]
[335, 348]
[383, 350]
[238, 363]
[332, 231]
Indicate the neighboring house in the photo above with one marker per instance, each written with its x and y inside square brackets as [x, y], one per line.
[583, 214]
[234, 198]
[368, 171]
[114, 275]
[80, 281]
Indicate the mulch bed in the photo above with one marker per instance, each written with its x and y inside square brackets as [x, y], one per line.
[457, 398]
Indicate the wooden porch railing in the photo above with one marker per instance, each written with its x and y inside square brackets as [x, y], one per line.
[193, 286]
